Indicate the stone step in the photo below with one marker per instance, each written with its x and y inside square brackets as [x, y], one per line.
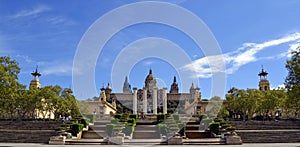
[98, 127]
[146, 134]
[93, 134]
[104, 122]
[196, 134]
[270, 137]
[192, 127]
[146, 127]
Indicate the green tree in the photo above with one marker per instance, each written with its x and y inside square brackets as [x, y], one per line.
[9, 86]
[292, 81]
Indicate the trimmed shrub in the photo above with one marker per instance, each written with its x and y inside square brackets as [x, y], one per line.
[131, 120]
[76, 128]
[231, 129]
[65, 125]
[206, 122]
[214, 127]
[92, 117]
[225, 126]
[202, 117]
[134, 116]
[60, 128]
[109, 129]
[181, 127]
[118, 116]
[114, 121]
[162, 129]
[128, 130]
[160, 117]
[176, 117]
[85, 122]
[217, 120]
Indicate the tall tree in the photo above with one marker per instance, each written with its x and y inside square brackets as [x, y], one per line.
[9, 86]
[292, 81]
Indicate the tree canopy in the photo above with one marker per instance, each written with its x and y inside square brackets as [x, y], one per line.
[17, 102]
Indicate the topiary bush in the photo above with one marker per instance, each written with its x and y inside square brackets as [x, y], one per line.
[85, 122]
[118, 116]
[114, 121]
[176, 117]
[181, 127]
[128, 130]
[231, 129]
[160, 117]
[214, 127]
[225, 126]
[134, 116]
[91, 117]
[162, 129]
[76, 128]
[109, 129]
[202, 117]
[131, 120]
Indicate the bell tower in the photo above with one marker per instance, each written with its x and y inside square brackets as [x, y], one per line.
[35, 82]
[264, 84]
[174, 86]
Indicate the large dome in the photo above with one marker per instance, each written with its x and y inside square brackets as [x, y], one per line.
[150, 81]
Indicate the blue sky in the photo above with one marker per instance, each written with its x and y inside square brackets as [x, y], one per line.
[249, 33]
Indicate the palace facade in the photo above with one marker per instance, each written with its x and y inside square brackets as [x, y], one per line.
[153, 100]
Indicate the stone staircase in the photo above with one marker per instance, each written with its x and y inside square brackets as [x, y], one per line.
[146, 129]
[96, 131]
[194, 131]
[268, 131]
[27, 131]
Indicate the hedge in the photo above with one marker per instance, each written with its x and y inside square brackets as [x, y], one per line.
[128, 130]
[92, 117]
[162, 129]
[181, 126]
[134, 116]
[118, 116]
[160, 117]
[176, 117]
[109, 129]
[85, 122]
[114, 121]
[76, 128]
[214, 127]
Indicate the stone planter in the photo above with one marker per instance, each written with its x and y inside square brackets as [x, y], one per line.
[116, 140]
[57, 140]
[233, 140]
[175, 140]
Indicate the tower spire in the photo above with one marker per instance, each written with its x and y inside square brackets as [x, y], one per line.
[264, 84]
[35, 83]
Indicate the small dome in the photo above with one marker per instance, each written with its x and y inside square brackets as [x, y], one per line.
[108, 86]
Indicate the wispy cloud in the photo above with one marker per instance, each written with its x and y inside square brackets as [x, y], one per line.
[58, 70]
[242, 56]
[32, 11]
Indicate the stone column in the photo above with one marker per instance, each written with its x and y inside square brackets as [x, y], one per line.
[154, 100]
[145, 101]
[134, 101]
[165, 101]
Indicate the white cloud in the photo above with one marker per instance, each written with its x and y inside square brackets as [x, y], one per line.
[241, 56]
[57, 69]
[32, 12]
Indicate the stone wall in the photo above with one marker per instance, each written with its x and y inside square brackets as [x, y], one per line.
[27, 131]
